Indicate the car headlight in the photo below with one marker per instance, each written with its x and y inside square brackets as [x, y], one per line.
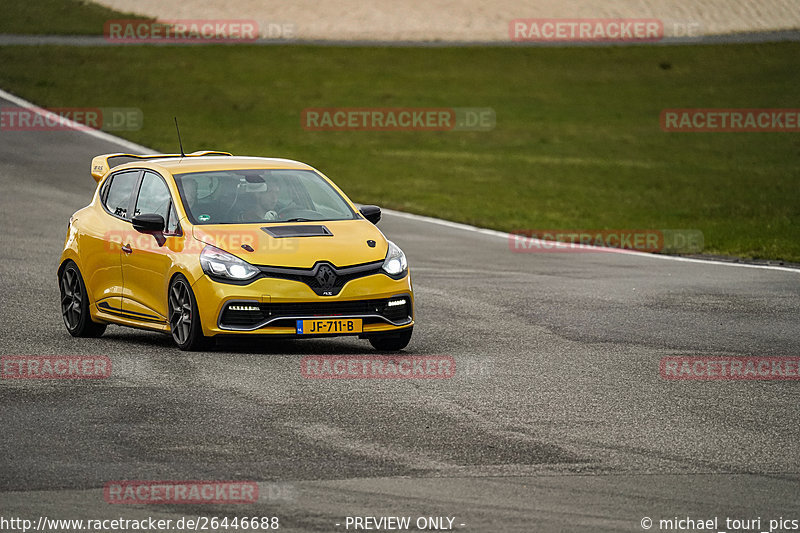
[395, 263]
[220, 264]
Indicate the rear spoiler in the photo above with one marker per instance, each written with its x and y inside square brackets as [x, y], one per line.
[101, 164]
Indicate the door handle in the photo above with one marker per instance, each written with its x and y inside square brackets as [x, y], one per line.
[127, 249]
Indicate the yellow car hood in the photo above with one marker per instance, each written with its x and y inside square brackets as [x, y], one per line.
[346, 245]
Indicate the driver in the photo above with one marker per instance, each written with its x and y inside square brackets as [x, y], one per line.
[266, 202]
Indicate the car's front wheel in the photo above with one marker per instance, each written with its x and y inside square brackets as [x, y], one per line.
[75, 304]
[184, 320]
[391, 342]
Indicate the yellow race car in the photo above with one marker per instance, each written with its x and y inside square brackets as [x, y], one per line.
[207, 244]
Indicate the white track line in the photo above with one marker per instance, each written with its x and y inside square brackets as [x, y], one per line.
[507, 236]
[133, 147]
[97, 134]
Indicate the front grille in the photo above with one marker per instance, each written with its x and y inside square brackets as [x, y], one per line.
[242, 318]
[324, 278]
[270, 314]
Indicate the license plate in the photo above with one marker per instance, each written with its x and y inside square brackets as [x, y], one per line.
[328, 325]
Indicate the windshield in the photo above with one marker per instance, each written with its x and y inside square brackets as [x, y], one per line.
[258, 196]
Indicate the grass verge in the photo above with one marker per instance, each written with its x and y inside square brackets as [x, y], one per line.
[577, 143]
[62, 17]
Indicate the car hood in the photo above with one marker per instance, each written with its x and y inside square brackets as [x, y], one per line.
[305, 244]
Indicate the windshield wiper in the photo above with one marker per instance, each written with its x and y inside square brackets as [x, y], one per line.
[299, 219]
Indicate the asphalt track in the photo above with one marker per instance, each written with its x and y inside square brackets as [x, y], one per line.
[557, 419]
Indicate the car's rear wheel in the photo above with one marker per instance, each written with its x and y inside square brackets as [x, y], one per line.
[75, 304]
[184, 320]
[391, 342]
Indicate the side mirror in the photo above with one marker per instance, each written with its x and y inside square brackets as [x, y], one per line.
[371, 213]
[148, 223]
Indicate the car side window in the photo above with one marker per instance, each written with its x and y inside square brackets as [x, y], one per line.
[172, 222]
[153, 196]
[118, 194]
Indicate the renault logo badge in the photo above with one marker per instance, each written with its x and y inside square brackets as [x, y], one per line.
[326, 277]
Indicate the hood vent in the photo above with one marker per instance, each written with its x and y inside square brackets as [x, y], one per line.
[282, 232]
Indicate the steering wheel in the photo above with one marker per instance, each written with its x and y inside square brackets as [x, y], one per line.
[294, 212]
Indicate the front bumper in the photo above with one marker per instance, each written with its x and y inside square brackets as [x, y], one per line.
[270, 306]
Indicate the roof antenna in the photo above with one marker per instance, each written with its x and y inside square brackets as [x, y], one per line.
[179, 136]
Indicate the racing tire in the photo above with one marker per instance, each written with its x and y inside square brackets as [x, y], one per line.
[391, 342]
[183, 317]
[75, 303]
